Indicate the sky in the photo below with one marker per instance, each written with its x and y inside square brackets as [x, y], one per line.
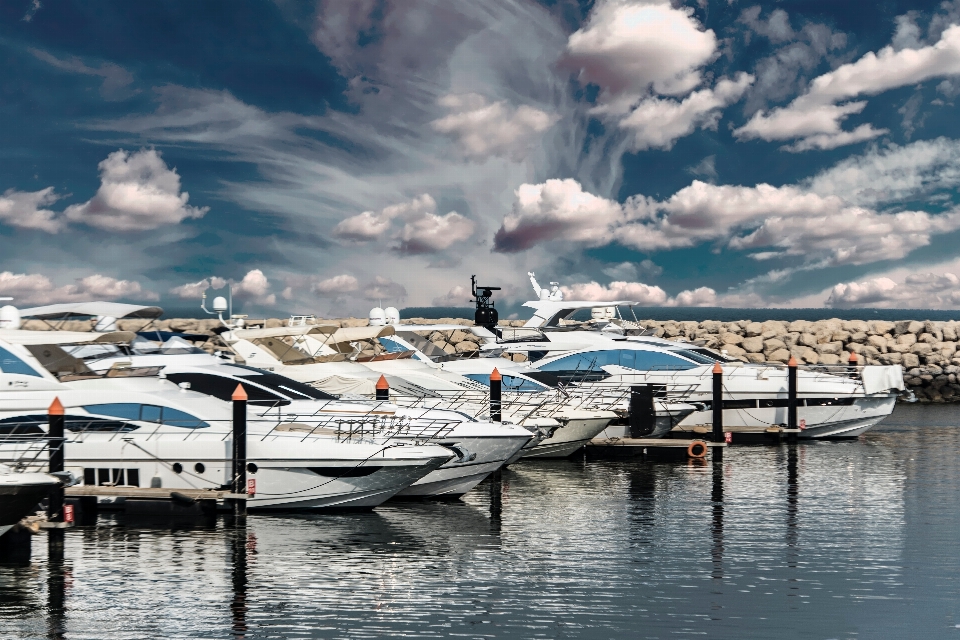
[327, 157]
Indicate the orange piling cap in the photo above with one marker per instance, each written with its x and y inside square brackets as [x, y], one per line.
[56, 409]
[853, 357]
[382, 383]
[239, 393]
[717, 368]
[495, 375]
[792, 362]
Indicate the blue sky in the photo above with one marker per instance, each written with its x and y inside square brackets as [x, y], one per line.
[325, 157]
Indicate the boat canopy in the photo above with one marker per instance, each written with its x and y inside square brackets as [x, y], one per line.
[280, 332]
[111, 309]
[549, 313]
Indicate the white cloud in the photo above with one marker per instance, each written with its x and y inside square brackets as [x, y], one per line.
[458, 296]
[431, 233]
[194, 290]
[254, 285]
[658, 123]
[137, 192]
[343, 283]
[817, 116]
[644, 294]
[35, 288]
[371, 225]
[916, 291]
[31, 10]
[629, 49]
[482, 129]
[25, 209]
[557, 210]
[632, 270]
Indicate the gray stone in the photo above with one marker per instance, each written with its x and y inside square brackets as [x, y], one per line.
[856, 326]
[465, 346]
[752, 345]
[829, 358]
[799, 326]
[829, 348]
[929, 338]
[950, 332]
[756, 358]
[859, 336]
[734, 351]
[911, 360]
[922, 349]
[880, 327]
[710, 326]
[877, 342]
[840, 336]
[730, 338]
[671, 329]
[891, 358]
[907, 339]
[914, 326]
[791, 339]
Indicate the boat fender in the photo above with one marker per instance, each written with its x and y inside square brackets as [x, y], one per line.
[697, 449]
[181, 499]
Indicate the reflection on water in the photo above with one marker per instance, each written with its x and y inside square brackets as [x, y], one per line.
[820, 540]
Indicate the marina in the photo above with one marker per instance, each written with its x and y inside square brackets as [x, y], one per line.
[563, 548]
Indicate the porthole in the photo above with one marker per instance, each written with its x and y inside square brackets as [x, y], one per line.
[177, 467]
[252, 468]
[199, 468]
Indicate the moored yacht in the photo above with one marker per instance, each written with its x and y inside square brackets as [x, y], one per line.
[20, 493]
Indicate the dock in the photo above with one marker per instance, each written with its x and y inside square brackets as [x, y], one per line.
[651, 448]
[144, 493]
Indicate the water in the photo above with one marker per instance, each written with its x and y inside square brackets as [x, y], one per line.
[823, 540]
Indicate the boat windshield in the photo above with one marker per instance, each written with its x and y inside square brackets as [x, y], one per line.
[701, 356]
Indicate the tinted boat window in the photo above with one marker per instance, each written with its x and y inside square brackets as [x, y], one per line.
[696, 356]
[290, 388]
[147, 413]
[10, 363]
[509, 383]
[35, 424]
[222, 388]
[593, 361]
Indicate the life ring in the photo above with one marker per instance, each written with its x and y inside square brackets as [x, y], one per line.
[697, 449]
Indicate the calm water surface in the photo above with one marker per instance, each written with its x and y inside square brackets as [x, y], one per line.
[822, 540]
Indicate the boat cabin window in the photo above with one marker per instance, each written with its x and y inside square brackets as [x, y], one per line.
[699, 356]
[222, 388]
[515, 384]
[594, 361]
[521, 334]
[147, 413]
[288, 387]
[33, 425]
[10, 363]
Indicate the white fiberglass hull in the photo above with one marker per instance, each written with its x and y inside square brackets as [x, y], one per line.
[842, 421]
[20, 493]
[568, 438]
[457, 477]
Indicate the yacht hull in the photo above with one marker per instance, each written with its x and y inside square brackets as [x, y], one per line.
[20, 500]
[457, 477]
[844, 421]
[567, 439]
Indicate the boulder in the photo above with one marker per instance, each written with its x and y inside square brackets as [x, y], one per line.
[465, 346]
[840, 336]
[856, 326]
[756, 358]
[829, 348]
[780, 355]
[950, 332]
[810, 356]
[730, 338]
[947, 349]
[183, 324]
[891, 358]
[929, 338]
[922, 349]
[274, 323]
[791, 339]
[671, 329]
[880, 327]
[808, 339]
[734, 351]
[773, 327]
[449, 349]
[829, 358]
[753, 344]
[773, 344]
[799, 326]
[710, 326]
[877, 342]
[753, 329]
[859, 336]
[911, 360]
[914, 326]
[907, 339]
[458, 336]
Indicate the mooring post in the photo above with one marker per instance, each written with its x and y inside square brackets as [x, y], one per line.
[852, 364]
[383, 389]
[718, 410]
[55, 451]
[643, 416]
[792, 400]
[239, 449]
[496, 396]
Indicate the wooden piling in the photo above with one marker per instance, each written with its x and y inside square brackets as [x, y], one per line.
[643, 414]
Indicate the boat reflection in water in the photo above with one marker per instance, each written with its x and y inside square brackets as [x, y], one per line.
[818, 538]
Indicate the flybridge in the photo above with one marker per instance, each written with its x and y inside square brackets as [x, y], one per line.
[549, 313]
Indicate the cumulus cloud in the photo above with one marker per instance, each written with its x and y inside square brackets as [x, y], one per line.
[915, 291]
[792, 220]
[336, 285]
[194, 290]
[557, 210]
[631, 49]
[658, 123]
[254, 285]
[816, 117]
[637, 51]
[381, 288]
[458, 296]
[26, 209]
[643, 294]
[137, 192]
[35, 288]
[482, 129]
[423, 232]
[633, 270]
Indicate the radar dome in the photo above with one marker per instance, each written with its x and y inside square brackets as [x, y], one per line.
[377, 317]
[220, 304]
[9, 317]
[105, 323]
[392, 315]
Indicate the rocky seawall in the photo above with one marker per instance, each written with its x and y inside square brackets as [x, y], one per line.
[927, 350]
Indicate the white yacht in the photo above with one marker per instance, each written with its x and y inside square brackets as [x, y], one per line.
[129, 427]
[20, 493]
[834, 402]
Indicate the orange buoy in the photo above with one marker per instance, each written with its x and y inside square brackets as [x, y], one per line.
[697, 449]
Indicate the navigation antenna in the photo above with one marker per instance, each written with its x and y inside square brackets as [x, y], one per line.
[486, 314]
